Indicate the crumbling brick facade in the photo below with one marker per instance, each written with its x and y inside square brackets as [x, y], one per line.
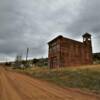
[65, 52]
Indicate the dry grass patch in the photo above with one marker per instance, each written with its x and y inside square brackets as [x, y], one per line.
[82, 77]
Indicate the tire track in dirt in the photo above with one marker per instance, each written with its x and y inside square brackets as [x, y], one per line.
[7, 91]
[15, 86]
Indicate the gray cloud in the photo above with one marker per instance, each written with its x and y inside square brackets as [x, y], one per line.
[33, 23]
[88, 19]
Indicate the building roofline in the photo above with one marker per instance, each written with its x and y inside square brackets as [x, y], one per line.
[60, 36]
[73, 40]
[86, 34]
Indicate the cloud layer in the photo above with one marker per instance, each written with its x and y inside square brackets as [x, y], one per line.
[33, 23]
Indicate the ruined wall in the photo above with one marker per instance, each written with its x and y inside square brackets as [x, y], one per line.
[65, 52]
[71, 52]
[54, 54]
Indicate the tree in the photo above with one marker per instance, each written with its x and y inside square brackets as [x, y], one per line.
[35, 61]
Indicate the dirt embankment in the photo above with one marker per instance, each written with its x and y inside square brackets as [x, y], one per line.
[15, 86]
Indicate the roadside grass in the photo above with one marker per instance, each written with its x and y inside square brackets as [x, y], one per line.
[85, 77]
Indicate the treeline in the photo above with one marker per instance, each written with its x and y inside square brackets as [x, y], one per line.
[40, 62]
[96, 58]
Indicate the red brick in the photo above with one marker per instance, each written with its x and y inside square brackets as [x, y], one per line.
[64, 52]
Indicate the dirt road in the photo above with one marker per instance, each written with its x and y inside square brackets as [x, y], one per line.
[15, 86]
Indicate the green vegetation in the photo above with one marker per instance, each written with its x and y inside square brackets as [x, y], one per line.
[87, 78]
[40, 62]
[96, 58]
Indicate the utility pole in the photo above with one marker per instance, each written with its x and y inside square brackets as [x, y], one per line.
[27, 54]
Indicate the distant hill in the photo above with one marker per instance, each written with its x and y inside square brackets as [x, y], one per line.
[96, 57]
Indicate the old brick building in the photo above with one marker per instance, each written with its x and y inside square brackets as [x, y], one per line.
[65, 52]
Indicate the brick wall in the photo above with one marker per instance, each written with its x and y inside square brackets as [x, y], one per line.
[65, 52]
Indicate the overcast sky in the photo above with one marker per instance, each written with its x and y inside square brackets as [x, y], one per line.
[32, 23]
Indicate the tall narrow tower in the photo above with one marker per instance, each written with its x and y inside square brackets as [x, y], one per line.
[87, 41]
[88, 48]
